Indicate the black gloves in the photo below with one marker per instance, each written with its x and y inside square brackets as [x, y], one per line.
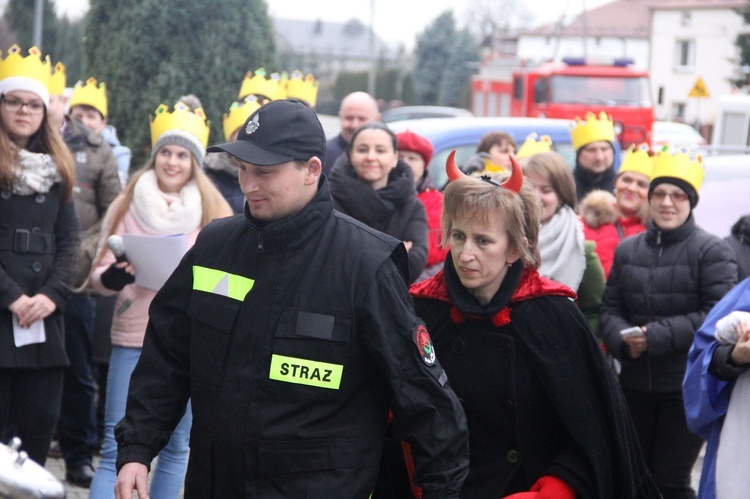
[115, 278]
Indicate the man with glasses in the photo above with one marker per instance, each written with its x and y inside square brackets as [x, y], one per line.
[662, 285]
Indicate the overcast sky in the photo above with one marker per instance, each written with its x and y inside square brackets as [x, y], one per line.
[396, 21]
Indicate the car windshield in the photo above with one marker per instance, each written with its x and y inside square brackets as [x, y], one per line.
[599, 90]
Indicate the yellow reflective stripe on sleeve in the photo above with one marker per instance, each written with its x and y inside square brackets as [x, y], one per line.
[221, 283]
[306, 372]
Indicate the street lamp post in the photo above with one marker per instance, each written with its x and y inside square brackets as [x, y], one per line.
[38, 24]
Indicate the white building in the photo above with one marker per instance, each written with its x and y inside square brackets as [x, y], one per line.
[692, 40]
[619, 29]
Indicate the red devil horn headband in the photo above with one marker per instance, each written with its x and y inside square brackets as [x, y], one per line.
[513, 182]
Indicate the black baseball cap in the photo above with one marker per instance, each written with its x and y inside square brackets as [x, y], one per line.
[278, 132]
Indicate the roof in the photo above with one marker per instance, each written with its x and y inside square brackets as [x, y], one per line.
[697, 4]
[621, 18]
[349, 40]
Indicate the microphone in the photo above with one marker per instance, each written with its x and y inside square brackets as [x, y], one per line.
[115, 243]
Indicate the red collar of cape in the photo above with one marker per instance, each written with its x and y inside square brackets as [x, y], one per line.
[532, 285]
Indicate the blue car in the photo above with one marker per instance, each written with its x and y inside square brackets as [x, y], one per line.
[463, 135]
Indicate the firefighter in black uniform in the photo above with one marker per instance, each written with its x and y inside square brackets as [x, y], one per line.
[291, 329]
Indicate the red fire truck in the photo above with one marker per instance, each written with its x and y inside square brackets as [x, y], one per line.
[570, 89]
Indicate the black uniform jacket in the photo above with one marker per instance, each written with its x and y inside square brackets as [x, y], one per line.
[537, 392]
[292, 339]
[38, 239]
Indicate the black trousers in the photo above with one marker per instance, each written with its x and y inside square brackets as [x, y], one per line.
[669, 448]
[76, 428]
[29, 407]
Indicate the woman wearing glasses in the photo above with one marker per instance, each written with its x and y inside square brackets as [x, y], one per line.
[38, 236]
[661, 287]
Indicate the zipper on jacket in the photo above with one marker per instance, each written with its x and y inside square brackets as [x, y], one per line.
[259, 247]
[658, 244]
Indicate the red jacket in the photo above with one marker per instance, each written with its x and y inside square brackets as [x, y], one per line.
[432, 200]
[607, 237]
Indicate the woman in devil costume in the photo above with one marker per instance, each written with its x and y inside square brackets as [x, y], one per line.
[546, 416]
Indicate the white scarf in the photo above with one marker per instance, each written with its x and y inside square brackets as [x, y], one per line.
[561, 248]
[161, 213]
[732, 477]
[34, 173]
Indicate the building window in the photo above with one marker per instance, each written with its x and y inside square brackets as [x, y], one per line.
[678, 111]
[685, 54]
[685, 18]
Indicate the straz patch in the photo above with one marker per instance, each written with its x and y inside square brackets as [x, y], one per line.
[424, 344]
[306, 372]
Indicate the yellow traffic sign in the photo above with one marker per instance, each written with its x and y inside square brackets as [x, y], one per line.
[699, 89]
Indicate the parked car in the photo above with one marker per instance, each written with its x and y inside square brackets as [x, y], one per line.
[420, 112]
[463, 135]
[725, 194]
[676, 134]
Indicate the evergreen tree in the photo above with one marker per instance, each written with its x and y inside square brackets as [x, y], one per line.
[151, 51]
[464, 57]
[432, 55]
[19, 16]
[743, 43]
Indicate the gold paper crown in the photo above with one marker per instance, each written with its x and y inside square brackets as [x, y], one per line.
[182, 118]
[238, 114]
[272, 88]
[592, 130]
[302, 87]
[32, 66]
[533, 146]
[679, 165]
[90, 94]
[637, 160]
[57, 81]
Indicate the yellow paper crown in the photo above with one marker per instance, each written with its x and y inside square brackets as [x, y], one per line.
[302, 87]
[238, 114]
[272, 87]
[57, 80]
[32, 66]
[90, 94]
[637, 160]
[592, 130]
[182, 118]
[679, 165]
[533, 146]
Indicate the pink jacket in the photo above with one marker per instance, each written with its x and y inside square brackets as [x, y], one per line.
[131, 308]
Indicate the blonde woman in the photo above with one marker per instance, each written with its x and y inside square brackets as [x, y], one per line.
[169, 195]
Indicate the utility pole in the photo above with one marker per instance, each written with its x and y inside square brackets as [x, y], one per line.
[371, 73]
[37, 42]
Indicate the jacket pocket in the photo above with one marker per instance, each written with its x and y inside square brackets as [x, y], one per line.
[307, 468]
[213, 319]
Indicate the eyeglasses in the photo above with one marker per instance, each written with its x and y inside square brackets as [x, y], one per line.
[14, 105]
[676, 197]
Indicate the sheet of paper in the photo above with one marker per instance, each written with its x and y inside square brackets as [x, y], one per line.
[23, 336]
[154, 257]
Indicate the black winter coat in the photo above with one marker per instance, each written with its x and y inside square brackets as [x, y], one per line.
[292, 339]
[38, 239]
[667, 281]
[739, 240]
[394, 210]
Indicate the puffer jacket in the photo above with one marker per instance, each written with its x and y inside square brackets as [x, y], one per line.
[739, 240]
[668, 281]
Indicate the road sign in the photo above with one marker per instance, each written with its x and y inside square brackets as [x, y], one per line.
[699, 89]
